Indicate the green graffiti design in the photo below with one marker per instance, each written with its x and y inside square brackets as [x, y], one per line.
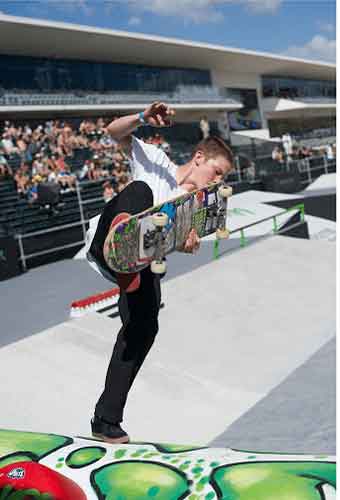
[18, 457]
[240, 211]
[173, 448]
[166, 471]
[139, 480]
[273, 480]
[9, 493]
[85, 456]
[34, 444]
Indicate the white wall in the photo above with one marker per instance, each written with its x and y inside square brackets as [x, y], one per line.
[241, 81]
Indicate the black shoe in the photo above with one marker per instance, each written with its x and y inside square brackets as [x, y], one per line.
[107, 431]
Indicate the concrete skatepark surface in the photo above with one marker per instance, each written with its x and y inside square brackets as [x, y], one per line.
[239, 338]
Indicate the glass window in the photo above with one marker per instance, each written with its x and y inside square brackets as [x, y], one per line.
[294, 88]
[47, 75]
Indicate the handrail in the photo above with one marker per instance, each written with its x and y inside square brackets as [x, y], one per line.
[49, 230]
[24, 257]
[300, 207]
[55, 249]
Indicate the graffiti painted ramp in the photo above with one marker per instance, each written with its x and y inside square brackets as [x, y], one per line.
[55, 467]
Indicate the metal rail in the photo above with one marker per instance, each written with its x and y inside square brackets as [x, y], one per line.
[300, 207]
[24, 257]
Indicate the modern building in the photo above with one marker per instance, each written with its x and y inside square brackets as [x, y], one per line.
[50, 69]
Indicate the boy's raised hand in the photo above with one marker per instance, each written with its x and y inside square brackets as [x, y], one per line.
[159, 114]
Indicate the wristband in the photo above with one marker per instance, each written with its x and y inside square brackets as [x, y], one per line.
[141, 118]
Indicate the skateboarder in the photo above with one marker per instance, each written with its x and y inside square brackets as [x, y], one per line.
[155, 179]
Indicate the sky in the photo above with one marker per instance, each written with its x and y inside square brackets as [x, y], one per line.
[298, 28]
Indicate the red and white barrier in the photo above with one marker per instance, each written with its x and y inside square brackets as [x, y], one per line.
[94, 303]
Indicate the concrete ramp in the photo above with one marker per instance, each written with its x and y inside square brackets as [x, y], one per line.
[309, 391]
[230, 332]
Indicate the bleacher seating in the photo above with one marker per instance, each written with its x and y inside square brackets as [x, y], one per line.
[17, 215]
[14, 161]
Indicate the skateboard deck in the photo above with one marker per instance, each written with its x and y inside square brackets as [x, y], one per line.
[146, 238]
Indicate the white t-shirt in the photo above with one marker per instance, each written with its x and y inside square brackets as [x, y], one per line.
[151, 165]
[329, 152]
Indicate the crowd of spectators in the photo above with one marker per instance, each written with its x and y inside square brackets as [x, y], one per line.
[46, 153]
[302, 153]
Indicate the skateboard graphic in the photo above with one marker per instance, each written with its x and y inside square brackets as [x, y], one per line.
[134, 242]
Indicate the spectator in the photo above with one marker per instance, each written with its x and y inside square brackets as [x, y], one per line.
[7, 144]
[52, 174]
[205, 127]
[305, 152]
[21, 144]
[277, 155]
[32, 192]
[107, 142]
[108, 191]
[22, 179]
[120, 170]
[3, 160]
[96, 170]
[27, 130]
[65, 179]
[37, 165]
[287, 144]
[5, 172]
[122, 183]
[329, 152]
[84, 171]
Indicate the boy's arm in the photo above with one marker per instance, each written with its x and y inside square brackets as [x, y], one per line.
[157, 114]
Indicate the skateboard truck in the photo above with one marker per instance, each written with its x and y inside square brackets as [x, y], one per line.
[158, 265]
[222, 232]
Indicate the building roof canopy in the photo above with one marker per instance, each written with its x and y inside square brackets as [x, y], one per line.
[30, 37]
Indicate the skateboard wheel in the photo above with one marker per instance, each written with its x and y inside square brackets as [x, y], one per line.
[160, 219]
[158, 267]
[222, 234]
[225, 191]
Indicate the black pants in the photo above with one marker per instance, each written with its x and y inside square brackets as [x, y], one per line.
[138, 310]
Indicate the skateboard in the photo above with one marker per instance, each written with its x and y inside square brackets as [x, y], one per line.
[137, 241]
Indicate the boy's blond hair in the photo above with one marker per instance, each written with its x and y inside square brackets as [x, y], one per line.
[214, 146]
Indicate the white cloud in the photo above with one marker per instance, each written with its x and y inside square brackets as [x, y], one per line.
[73, 6]
[194, 10]
[199, 11]
[68, 6]
[263, 6]
[326, 27]
[134, 21]
[319, 47]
